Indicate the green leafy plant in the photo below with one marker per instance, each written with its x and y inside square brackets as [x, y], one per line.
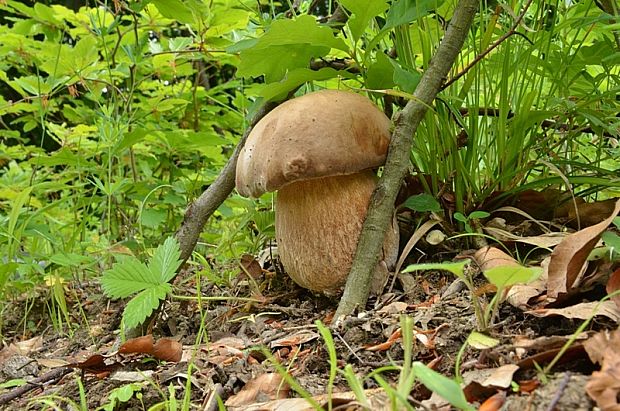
[150, 281]
[121, 395]
[422, 203]
[470, 221]
[410, 372]
[501, 276]
[612, 241]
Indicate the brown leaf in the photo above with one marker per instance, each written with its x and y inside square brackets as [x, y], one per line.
[581, 311]
[375, 399]
[591, 213]
[604, 385]
[21, 348]
[548, 240]
[490, 257]
[574, 353]
[250, 266]
[263, 388]
[295, 339]
[395, 307]
[488, 378]
[226, 350]
[95, 364]
[167, 349]
[494, 402]
[613, 285]
[528, 386]
[138, 345]
[545, 342]
[569, 256]
[597, 345]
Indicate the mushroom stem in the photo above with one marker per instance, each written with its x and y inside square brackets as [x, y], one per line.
[318, 223]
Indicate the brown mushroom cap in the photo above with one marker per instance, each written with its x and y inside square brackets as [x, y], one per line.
[326, 133]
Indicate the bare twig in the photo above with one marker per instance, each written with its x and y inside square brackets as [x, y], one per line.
[50, 376]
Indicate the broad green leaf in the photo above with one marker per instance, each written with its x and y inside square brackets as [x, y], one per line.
[406, 11]
[45, 13]
[16, 210]
[142, 305]
[6, 271]
[363, 12]
[33, 85]
[294, 78]
[443, 386]
[380, 74]
[287, 45]
[127, 277]
[481, 341]
[174, 9]
[153, 218]
[130, 138]
[612, 241]
[224, 23]
[63, 60]
[460, 217]
[282, 59]
[166, 260]
[422, 203]
[406, 80]
[70, 259]
[121, 395]
[505, 275]
[179, 43]
[476, 215]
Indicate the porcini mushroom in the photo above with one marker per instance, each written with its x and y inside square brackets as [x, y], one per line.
[318, 151]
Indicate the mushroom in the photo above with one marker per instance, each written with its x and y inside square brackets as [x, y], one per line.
[318, 151]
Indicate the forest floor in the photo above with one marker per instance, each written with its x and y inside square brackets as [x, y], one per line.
[226, 348]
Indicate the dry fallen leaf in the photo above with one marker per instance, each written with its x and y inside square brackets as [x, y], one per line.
[396, 307]
[250, 266]
[384, 346]
[492, 377]
[138, 345]
[568, 258]
[591, 213]
[604, 385]
[613, 285]
[21, 348]
[167, 349]
[295, 339]
[548, 240]
[494, 403]
[581, 311]
[263, 388]
[225, 351]
[376, 400]
[490, 257]
[132, 376]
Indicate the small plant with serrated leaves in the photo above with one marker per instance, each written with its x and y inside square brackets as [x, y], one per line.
[150, 282]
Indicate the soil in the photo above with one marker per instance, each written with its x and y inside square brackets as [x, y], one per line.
[228, 343]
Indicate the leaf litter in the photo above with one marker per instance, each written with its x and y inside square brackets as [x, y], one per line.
[538, 327]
